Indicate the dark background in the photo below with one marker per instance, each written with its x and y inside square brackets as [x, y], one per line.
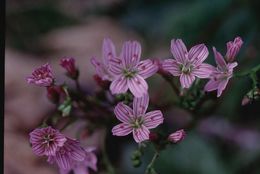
[41, 31]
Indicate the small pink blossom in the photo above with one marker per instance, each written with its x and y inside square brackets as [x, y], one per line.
[68, 154]
[41, 76]
[102, 68]
[233, 49]
[130, 72]
[136, 120]
[82, 167]
[46, 141]
[69, 65]
[221, 75]
[177, 136]
[188, 64]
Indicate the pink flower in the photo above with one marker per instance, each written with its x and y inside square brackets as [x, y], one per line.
[130, 72]
[46, 141]
[82, 167]
[69, 65]
[233, 49]
[188, 65]
[177, 136]
[67, 155]
[221, 75]
[102, 68]
[42, 76]
[136, 120]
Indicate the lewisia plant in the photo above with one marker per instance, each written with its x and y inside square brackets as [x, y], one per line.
[122, 105]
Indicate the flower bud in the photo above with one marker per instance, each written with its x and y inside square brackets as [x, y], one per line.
[177, 136]
[153, 136]
[69, 65]
[55, 93]
[233, 49]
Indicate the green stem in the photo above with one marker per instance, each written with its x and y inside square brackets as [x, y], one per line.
[150, 168]
[248, 72]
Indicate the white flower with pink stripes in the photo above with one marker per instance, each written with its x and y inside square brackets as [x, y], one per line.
[136, 120]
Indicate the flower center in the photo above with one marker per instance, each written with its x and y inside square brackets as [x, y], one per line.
[48, 139]
[137, 123]
[129, 73]
[186, 69]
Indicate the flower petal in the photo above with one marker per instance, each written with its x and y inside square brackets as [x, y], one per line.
[179, 50]
[211, 85]
[109, 50]
[101, 70]
[119, 85]
[172, 66]
[198, 53]
[137, 86]
[122, 129]
[186, 80]
[153, 119]
[115, 66]
[203, 70]
[140, 104]
[131, 53]
[219, 59]
[222, 85]
[147, 68]
[80, 169]
[63, 160]
[141, 134]
[230, 66]
[123, 112]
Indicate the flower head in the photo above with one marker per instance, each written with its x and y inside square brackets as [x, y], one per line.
[177, 136]
[221, 75]
[46, 141]
[188, 64]
[102, 68]
[69, 65]
[41, 76]
[82, 167]
[130, 72]
[68, 154]
[233, 49]
[136, 120]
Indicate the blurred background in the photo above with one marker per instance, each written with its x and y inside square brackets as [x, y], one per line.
[226, 142]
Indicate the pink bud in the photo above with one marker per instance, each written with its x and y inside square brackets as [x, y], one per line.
[233, 49]
[69, 65]
[177, 136]
[102, 83]
[55, 94]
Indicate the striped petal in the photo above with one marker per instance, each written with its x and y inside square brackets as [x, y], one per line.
[109, 50]
[172, 66]
[153, 119]
[122, 129]
[141, 134]
[137, 86]
[131, 53]
[203, 70]
[198, 54]
[115, 66]
[179, 50]
[147, 68]
[119, 85]
[123, 112]
[140, 105]
[63, 160]
[186, 80]
[211, 85]
[219, 59]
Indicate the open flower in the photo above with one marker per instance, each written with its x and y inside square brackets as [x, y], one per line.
[41, 76]
[46, 141]
[67, 155]
[102, 68]
[177, 136]
[130, 72]
[136, 120]
[233, 49]
[82, 167]
[221, 75]
[188, 65]
[69, 65]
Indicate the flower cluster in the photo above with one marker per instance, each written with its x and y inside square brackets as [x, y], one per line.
[64, 151]
[125, 75]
